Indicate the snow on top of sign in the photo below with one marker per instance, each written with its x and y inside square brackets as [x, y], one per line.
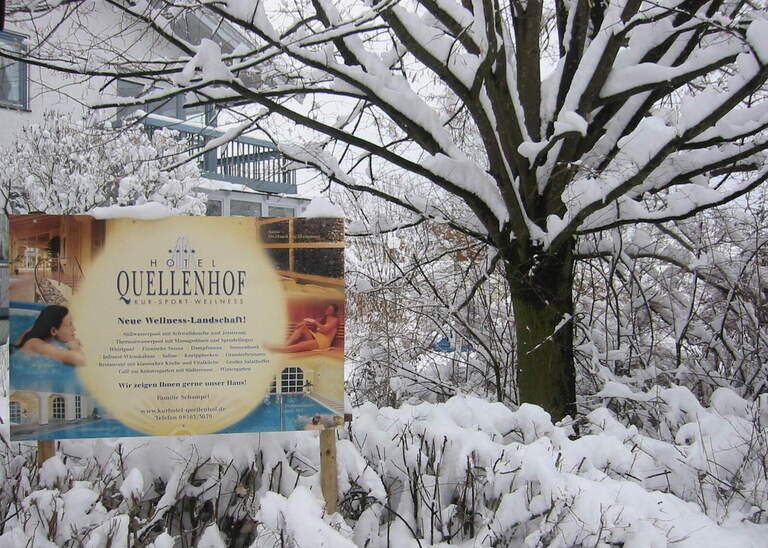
[150, 210]
[320, 206]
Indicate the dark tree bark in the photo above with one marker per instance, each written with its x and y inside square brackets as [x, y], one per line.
[541, 289]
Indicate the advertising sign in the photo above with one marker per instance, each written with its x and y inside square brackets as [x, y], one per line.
[177, 326]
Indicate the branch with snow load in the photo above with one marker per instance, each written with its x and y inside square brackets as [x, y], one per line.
[325, 163]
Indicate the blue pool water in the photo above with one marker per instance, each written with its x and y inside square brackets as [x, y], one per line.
[32, 372]
[103, 428]
[277, 412]
[23, 315]
[280, 412]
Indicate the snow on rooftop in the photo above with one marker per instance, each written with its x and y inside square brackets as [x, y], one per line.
[320, 206]
[212, 184]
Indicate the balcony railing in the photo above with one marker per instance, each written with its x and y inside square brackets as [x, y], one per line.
[255, 163]
[65, 271]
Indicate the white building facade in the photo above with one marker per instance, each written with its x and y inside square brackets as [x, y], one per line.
[247, 176]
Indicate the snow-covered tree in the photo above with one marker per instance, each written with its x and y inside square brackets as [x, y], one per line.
[681, 302]
[62, 165]
[402, 286]
[548, 120]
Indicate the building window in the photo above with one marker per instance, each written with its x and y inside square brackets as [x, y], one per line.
[306, 248]
[292, 380]
[15, 412]
[173, 107]
[245, 209]
[213, 208]
[277, 211]
[195, 114]
[13, 74]
[78, 407]
[57, 407]
[126, 88]
[273, 387]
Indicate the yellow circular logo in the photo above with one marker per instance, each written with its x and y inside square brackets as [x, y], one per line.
[172, 316]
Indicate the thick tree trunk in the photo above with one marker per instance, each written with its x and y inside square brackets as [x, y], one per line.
[542, 301]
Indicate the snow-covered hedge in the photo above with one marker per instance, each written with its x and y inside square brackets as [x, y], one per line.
[68, 166]
[465, 472]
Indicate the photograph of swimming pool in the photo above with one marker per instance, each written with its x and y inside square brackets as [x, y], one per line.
[42, 383]
[35, 372]
[278, 412]
[46, 380]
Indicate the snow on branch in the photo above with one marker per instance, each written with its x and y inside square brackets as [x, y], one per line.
[682, 202]
[629, 80]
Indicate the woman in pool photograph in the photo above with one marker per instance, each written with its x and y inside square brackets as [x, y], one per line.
[312, 334]
[53, 335]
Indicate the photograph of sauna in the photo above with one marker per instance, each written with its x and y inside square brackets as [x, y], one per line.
[49, 255]
[308, 254]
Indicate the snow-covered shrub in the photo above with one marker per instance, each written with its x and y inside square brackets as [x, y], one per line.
[415, 287]
[683, 302]
[462, 472]
[66, 166]
[713, 456]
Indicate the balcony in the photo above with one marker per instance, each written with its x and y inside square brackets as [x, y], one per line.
[255, 163]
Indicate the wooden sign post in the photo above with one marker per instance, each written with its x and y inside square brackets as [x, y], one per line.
[45, 450]
[329, 473]
[328, 470]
